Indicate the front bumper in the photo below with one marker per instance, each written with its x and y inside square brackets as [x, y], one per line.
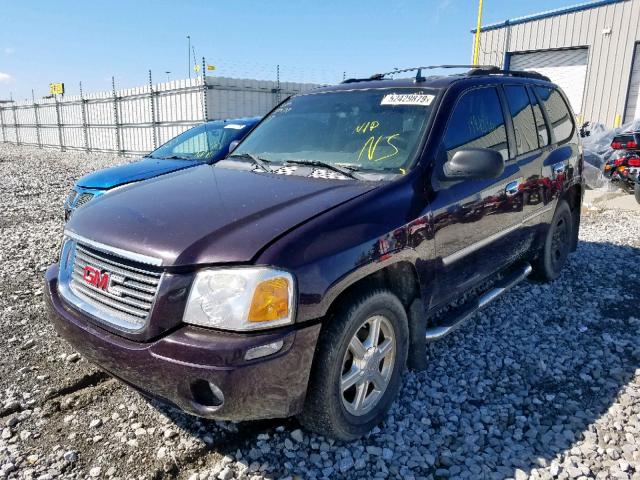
[180, 367]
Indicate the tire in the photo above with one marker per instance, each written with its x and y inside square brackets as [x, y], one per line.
[557, 245]
[637, 192]
[349, 413]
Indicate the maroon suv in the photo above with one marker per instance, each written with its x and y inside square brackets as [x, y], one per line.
[300, 275]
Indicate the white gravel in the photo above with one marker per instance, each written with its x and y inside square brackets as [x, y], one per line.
[545, 383]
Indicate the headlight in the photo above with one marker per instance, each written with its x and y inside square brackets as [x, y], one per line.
[241, 298]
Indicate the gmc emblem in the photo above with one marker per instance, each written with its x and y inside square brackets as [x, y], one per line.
[93, 277]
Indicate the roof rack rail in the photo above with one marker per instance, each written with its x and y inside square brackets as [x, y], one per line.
[474, 70]
[418, 70]
[512, 73]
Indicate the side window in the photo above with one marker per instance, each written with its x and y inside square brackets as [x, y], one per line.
[558, 113]
[541, 126]
[523, 121]
[477, 122]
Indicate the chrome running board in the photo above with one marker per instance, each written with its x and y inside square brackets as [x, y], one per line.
[451, 324]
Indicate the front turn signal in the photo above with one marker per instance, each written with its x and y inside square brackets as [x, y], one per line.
[271, 299]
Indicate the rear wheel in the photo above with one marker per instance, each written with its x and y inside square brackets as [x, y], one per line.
[557, 245]
[637, 192]
[358, 367]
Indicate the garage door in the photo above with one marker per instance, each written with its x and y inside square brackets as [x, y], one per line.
[567, 68]
[633, 97]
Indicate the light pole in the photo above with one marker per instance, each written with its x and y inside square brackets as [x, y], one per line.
[476, 46]
[167, 72]
[189, 56]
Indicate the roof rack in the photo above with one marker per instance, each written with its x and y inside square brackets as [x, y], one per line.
[473, 71]
[418, 70]
[511, 73]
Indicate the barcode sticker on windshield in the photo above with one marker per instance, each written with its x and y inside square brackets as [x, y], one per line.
[235, 126]
[407, 99]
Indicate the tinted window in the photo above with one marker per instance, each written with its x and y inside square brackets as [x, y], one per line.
[523, 121]
[558, 113]
[541, 126]
[477, 122]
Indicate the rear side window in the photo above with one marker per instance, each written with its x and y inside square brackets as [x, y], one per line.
[541, 125]
[477, 122]
[523, 120]
[558, 113]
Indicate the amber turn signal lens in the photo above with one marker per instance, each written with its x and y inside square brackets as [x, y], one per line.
[270, 300]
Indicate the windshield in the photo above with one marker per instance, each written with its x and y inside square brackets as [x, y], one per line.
[209, 141]
[376, 129]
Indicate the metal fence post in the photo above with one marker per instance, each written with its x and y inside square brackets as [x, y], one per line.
[85, 131]
[278, 84]
[115, 115]
[4, 134]
[153, 112]
[15, 124]
[59, 123]
[205, 113]
[37, 119]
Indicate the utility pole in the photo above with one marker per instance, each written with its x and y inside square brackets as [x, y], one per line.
[189, 56]
[476, 46]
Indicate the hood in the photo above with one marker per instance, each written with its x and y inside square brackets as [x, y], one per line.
[131, 172]
[208, 214]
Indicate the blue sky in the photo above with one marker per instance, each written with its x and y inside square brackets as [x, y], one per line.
[68, 41]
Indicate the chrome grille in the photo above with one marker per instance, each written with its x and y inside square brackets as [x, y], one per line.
[82, 199]
[126, 297]
[71, 197]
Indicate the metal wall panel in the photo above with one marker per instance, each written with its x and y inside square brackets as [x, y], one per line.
[239, 97]
[610, 55]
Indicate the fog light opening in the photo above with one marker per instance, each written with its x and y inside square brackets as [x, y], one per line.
[263, 350]
[206, 393]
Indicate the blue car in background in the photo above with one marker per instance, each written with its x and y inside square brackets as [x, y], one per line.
[206, 143]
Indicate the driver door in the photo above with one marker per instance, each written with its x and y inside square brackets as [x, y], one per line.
[476, 222]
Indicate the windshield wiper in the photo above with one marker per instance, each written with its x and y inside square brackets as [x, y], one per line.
[261, 162]
[173, 157]
[346, 171]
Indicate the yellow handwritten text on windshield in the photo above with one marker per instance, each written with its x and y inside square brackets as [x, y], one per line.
[371, 145]
[367, 127]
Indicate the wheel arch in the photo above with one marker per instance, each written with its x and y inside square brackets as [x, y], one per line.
[401, 279]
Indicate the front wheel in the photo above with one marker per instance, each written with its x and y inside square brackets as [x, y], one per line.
[358, 367]
[557, 245]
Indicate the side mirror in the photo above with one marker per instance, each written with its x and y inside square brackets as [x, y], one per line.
[474, 164]
[233, 145]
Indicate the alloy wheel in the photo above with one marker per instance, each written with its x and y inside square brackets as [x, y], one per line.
[368, 365]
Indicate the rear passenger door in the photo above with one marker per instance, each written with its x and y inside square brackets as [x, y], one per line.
[475, 221]
[561, 161]
[531, 138]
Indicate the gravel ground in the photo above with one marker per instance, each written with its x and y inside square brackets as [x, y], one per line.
[544, 383]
